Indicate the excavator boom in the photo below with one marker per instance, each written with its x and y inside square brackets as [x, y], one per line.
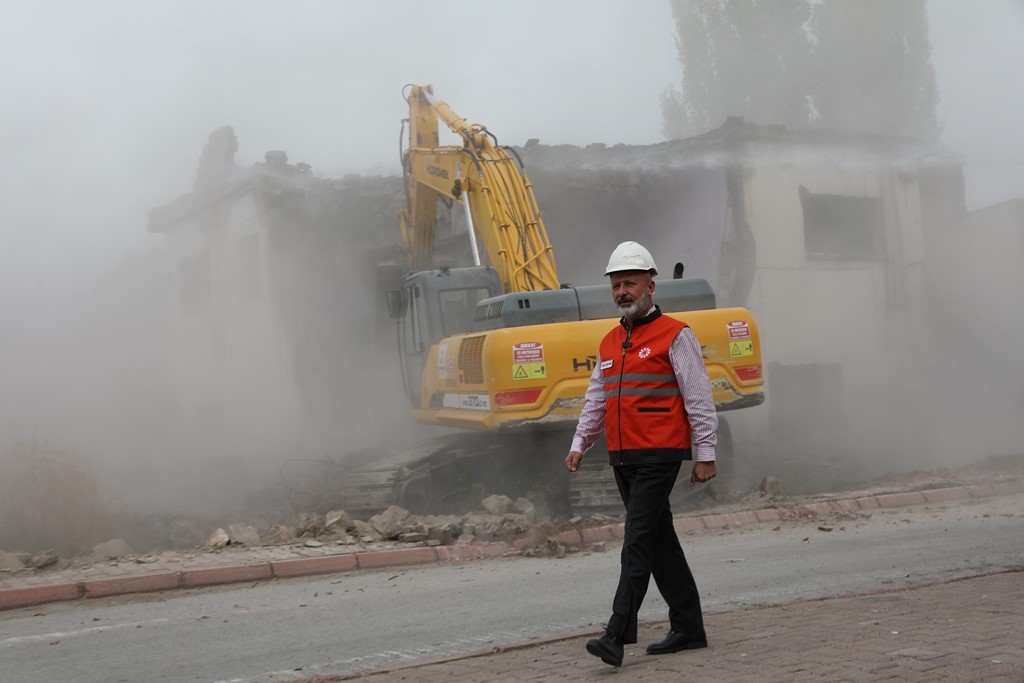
[490, 184]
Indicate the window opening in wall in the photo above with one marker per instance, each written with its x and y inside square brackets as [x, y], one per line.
[194, 284]
[839, 227]
[251, 276]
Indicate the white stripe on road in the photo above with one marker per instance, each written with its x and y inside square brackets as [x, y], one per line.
[63, 635]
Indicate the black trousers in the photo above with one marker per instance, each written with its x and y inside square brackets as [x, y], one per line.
[651, 547]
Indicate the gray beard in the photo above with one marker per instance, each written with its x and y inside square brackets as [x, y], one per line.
[637, 308]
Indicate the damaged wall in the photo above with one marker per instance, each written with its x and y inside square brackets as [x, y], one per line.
[275, 320]
[821, 234]
[811, 231]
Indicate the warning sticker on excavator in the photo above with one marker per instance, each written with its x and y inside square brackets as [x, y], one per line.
[529, 371]
[738, 329]
[528, 361]
[741, 348]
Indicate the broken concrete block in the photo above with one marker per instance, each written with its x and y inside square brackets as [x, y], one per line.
[309, 524]
[243, 534]
[337, 520]
[10, 561]
[442, 525]
[494, 527]
[218, 539]
[525, 507]
[497, 505]
[279, 533]
[389, 523]
[43, 559]
[365, 532]
[440, 535]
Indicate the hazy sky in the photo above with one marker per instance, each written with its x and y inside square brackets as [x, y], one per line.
[107, 104]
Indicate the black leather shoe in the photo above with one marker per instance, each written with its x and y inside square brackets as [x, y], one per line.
[676, 642]
[608, 647]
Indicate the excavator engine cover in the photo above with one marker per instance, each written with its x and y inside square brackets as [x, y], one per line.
[593, 302]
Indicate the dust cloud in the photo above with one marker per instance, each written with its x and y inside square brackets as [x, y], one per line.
[108, 110]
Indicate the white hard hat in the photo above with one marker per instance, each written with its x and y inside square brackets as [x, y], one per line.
[631, 256]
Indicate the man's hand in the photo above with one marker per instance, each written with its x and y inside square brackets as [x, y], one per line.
[702, 472]
[572, 461]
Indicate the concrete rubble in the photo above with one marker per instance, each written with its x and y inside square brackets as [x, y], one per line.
[218, 539]
[44, 559]
[65, 580]
[12, 561]
[244, 534]
[498, 520]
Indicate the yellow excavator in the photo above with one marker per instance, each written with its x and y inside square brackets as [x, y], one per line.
[500, 347]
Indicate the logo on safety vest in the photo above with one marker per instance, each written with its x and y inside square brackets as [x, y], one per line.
[644, 352]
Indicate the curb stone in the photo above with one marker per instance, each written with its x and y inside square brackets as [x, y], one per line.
[13, 598]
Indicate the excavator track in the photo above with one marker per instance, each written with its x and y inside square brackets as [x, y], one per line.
[453, 473]
[592, 488]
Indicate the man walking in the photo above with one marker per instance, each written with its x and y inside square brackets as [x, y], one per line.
[650, 392]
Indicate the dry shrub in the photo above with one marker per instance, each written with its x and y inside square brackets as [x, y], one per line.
[49, 498]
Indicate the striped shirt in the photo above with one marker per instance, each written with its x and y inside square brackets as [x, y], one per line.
[692, 377]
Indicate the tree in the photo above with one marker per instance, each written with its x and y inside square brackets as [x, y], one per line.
[855, 65]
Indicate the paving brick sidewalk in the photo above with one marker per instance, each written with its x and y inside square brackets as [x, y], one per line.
[964, 630]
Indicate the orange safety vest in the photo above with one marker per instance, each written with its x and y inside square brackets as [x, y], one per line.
[644, 412]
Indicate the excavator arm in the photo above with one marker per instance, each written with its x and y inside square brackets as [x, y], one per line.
[488, 181]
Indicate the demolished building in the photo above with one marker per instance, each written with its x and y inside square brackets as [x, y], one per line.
[271, 301]
[824, 236]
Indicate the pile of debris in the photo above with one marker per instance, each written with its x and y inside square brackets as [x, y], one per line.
[500, 520]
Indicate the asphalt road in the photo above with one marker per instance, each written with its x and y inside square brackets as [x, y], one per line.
[278, 630]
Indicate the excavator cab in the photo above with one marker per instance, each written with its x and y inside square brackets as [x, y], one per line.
[433, 305]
